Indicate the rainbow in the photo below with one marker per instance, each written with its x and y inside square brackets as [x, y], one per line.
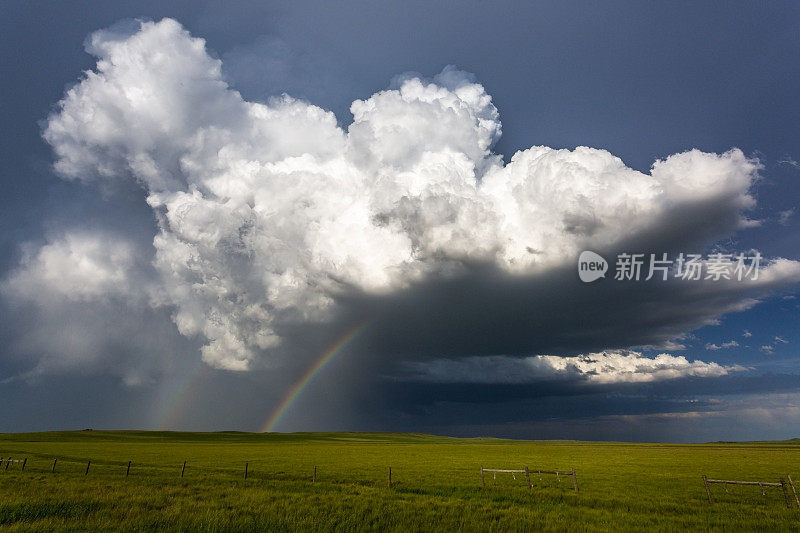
[327, 356]
[180, 396]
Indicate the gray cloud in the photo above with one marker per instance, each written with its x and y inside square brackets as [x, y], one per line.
[769, 415]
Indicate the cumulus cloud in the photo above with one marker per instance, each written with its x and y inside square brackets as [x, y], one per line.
[723, 346]
[769, 349]
[270, 215]
[78, 266]
[746, 334]
[602, 368]
[83, 300]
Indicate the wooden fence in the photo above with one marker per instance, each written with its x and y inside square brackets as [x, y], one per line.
[183, 468]
[762, 484]
[784, 485]
[527, 471]
[9, 461]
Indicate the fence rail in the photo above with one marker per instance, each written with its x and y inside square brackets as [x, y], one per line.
[780, 484]
[527, 471]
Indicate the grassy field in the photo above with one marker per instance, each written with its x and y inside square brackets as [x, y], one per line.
[436, 483]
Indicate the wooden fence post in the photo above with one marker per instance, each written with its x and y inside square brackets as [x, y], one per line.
[245, 470]
[8, 463]
[53, 471]
[183, 469]
[575, 480]
[786, 494]
[528, 478]
[128, 471]
[390, 477]
[314, 478]
[708, 490]
[88, 464]
[24, 462]
[791, 484]
[483, 483]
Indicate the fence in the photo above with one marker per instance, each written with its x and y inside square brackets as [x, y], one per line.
[762, 484]
[9, 461]
[784, 485]
[75, 466]
[247, 472]
[528, 473]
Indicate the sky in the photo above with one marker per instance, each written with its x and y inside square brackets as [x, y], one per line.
[356, 216]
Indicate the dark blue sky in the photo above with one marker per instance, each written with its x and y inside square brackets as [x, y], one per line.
[641, 80]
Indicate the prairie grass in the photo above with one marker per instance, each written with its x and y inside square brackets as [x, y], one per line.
[436, 483]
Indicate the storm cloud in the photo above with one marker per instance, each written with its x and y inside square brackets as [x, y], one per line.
[275, 221]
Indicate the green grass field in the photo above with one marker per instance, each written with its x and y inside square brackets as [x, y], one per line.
[436, 483]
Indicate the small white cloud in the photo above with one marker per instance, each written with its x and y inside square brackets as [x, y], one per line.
[784, 216]
[767, 349]
[723, 346]
[781, 340]
[789, 161]
[746, 334]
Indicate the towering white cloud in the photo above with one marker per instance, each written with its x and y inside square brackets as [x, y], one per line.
[268, 212]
